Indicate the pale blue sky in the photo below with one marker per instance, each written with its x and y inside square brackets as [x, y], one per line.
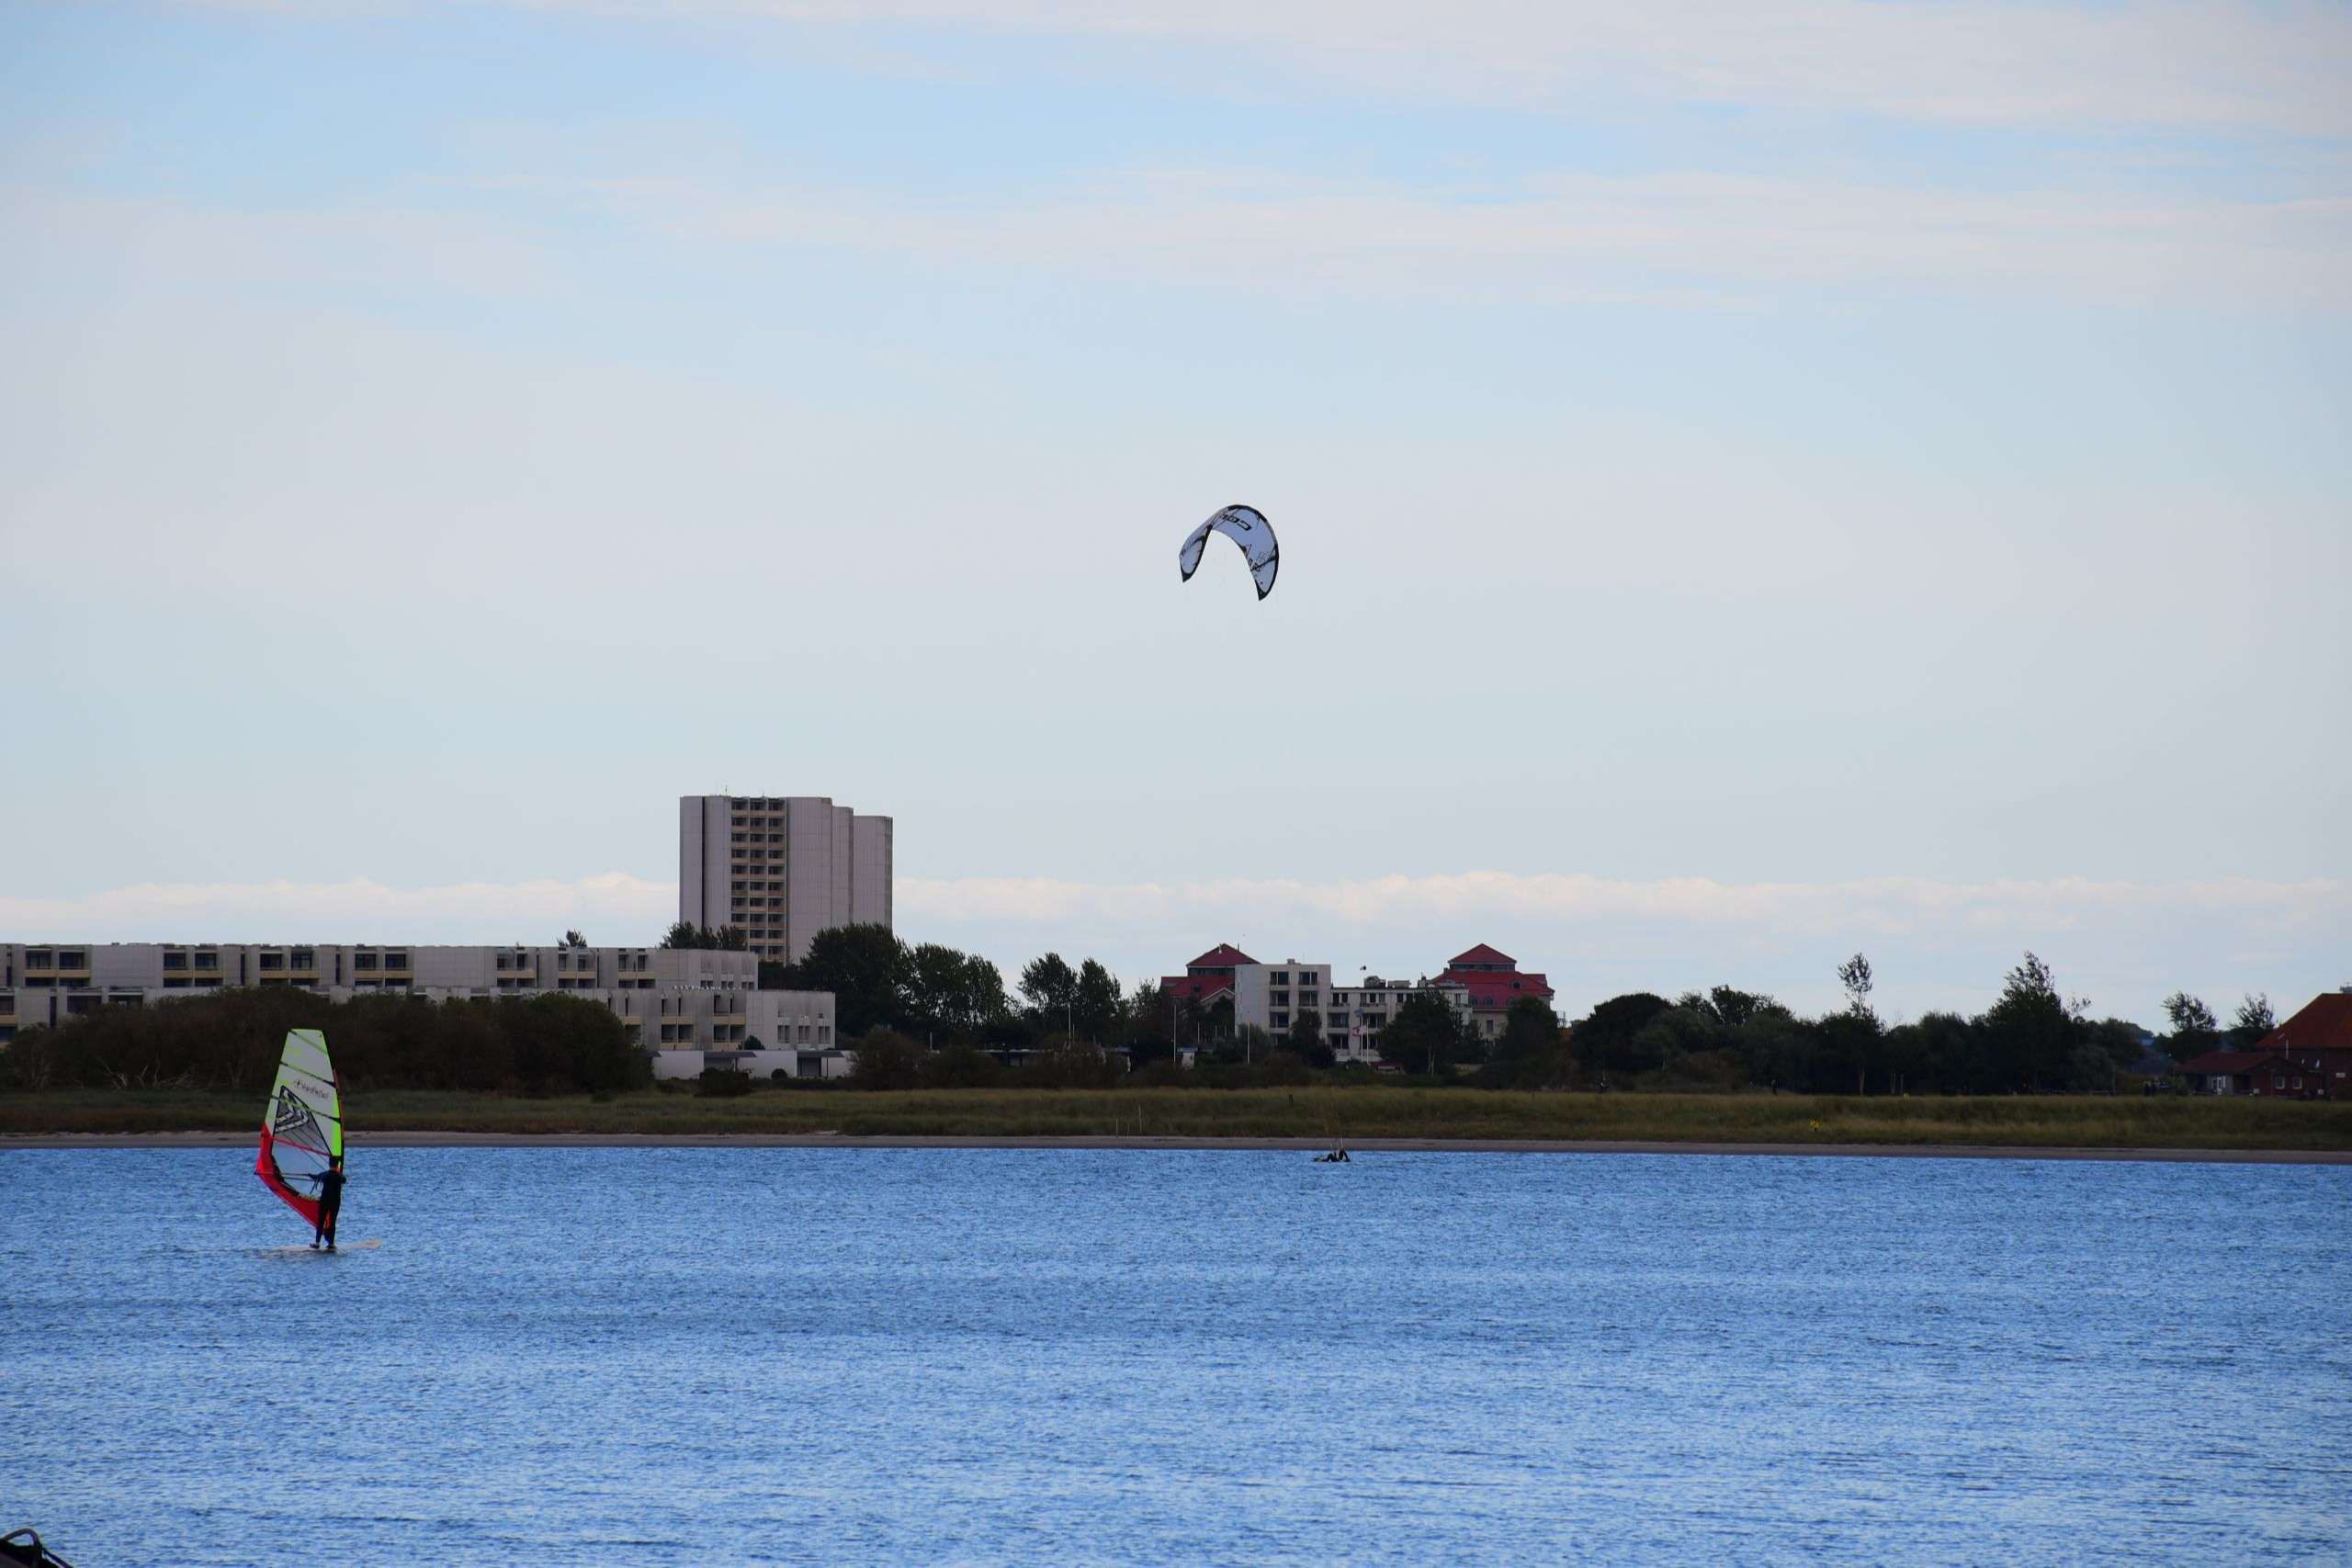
[1755, 481]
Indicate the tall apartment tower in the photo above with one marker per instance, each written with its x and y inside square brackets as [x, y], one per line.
[781, 868]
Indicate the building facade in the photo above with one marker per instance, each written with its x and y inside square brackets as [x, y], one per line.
[781, 868]
[1273, 996]
[1357, 1013]
[2316, 1044]
[672, 998]
[1493, 982]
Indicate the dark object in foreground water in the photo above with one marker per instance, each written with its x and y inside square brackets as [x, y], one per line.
[1336, 1156]
[24, 1546]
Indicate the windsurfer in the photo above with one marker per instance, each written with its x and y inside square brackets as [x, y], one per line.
[330, 1183]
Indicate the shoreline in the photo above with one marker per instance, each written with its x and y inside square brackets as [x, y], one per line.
[431, 1140]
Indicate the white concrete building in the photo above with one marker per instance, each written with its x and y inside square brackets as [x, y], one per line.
[1352, 1021]
[781, 868]
[672, 999]
[1272, 996]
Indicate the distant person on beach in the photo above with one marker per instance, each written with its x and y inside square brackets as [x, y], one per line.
[330, 1184]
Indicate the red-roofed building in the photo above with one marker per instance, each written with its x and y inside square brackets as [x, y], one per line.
[2317, 1042]
[2264, 1072]
[1208, 976]
[1493, 979]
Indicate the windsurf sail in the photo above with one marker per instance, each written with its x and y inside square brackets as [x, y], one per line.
[302, 1128]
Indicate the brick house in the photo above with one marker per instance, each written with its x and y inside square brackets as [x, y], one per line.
[2263, 1073]
[2317, 1045]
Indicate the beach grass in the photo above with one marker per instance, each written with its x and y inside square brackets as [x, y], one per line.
[1336, 1115]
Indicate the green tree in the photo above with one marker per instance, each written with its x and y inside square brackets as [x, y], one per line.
[935, 980]
[1603, 1039]
[1858, 1038]
[2028, 1032]
[1736, 1007]
[1425, 1035]
[1049, 985]
[683, 934]
[573, 939]
[1531, 1030]
[866, 968]
[1151, 1022]
[1305, 1039]
[2254, 1021]
[1099, 999]
[2194, 1029]
[982, 1007]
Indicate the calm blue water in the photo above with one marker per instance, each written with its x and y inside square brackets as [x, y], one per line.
[706, 1357]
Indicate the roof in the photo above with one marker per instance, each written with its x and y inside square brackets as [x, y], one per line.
[1224, 956]
[1481, 954]
[1201, 988]
[1491, 989]
[2325, 1023]
[2231, 1061]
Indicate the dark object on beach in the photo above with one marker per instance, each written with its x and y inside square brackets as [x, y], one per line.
[24, 1546]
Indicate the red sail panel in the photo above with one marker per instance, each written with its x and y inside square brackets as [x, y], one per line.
[272, 1177]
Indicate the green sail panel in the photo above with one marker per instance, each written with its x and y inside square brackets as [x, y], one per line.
[302, 1128]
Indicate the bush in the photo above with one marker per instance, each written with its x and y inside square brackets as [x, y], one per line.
[722, 1083]
[961, 1066]
[887, 1060]
[1283, 1069]
[1068, 1064]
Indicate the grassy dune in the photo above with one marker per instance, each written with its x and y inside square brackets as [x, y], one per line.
[1316, 1112]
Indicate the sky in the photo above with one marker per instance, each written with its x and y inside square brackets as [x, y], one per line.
[1756, 482]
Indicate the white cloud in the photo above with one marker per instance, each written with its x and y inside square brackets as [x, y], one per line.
[612, 908]
[1555, 237]
[2278, 67]
[1687, 237]
[631, 905]
[1890, 905]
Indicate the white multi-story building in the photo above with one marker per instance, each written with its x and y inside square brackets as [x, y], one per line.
[781, 868]
[1357, 1013]
[674, 999]
[1271, 996]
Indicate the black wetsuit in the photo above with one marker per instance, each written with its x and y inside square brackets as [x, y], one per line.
[330, 1183]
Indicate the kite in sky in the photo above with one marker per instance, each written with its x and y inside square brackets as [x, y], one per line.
[1245, 526]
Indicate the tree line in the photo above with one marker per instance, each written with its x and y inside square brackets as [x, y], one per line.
[548, 1044]
[940, 996]
[2031, 1039]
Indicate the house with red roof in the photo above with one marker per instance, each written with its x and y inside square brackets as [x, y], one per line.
[1207, 977]
[1494, 981]
[2263, 1073]
[2316, 1044]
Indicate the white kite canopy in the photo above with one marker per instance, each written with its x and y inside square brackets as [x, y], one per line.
[1245, 526]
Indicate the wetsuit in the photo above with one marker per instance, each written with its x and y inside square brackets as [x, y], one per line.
[329, 1182]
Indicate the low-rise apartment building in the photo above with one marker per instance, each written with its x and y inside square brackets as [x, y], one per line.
[1480, 985]
[672, 998]
[1357, 1013]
